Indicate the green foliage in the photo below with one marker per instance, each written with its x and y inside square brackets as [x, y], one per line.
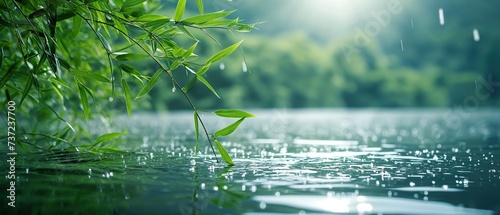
[68, 75]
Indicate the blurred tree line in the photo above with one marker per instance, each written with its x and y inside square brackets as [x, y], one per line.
[412, 62]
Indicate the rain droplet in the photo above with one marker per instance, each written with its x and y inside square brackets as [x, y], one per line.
[262, 205]
[202, 186]
[27, 170]
[192, 162]
[244, 66]
[475, 33]
[110, 99]
[441, 16]
[173, 89]
[253, 189]
[402, 47]
[411, 22]
[222, 66]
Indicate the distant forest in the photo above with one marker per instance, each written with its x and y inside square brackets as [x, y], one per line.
[294, 61]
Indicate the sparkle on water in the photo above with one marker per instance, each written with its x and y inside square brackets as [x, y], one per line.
[441, 16]
[380, 162]
[475, 34]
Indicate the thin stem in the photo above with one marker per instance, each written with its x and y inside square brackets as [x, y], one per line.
[53, 137]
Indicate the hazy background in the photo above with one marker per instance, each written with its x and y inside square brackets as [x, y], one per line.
[339, 53]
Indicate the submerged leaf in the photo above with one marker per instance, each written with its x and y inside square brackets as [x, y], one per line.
[223, 153]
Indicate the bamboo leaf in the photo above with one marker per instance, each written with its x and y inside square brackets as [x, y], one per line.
[204, 18]
[187, 32]
[122, 30]
[190, 84]
[131, 3]
[229, 129]
[205, 82]
[37, 13]
[27, 88]
[84, 101]
[233, 113]
[104, 42]
[151, 83]
[223, 53]
[190, 50]
[203, 69]
[77, 26]
[151, 17]
[59, 81]
[179, 10]
[107, 137]
[156, 24]
[225, 156]
[196, 130]
[200, 6]
[91, 75]
[130, 57]
[130, 70]
[128, 97]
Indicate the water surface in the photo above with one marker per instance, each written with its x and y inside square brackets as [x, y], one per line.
[287, 162]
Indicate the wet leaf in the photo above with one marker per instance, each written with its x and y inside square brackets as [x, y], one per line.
[130, 57]
[179, 10]
[91, 75]
[205, 82]
[190, 50]
[199, 3]
[151, 17]
[77, 26]
[190, 84]
[229, 129]
[225, 156]
[131, 3]
[233, 113]
[107, 137]
[151, 83]
[196, 130]
[204, 18]
[84, 101]
[223, 53]
[187, 32]
[37, 13]
[128, 97]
